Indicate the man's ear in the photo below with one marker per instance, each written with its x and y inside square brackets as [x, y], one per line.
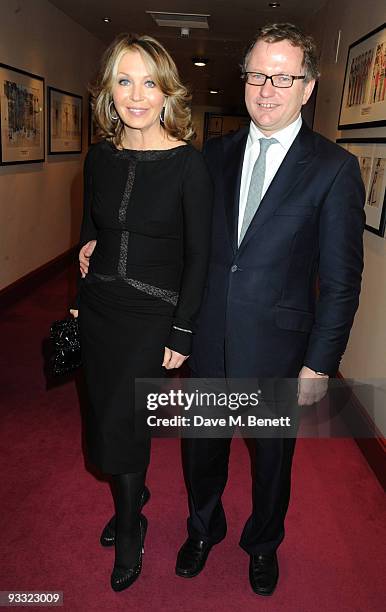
[308, 89]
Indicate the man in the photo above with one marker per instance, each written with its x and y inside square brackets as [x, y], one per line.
[287, 211]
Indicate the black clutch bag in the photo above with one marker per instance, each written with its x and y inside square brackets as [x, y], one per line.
[66, 339]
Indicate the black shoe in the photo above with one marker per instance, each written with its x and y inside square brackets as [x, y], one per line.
[123, 578]
[108, 534]
[192, 557]
[263, 573]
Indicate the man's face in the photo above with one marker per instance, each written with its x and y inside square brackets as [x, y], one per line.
[273, 108]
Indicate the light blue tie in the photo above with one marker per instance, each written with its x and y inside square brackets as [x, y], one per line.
[256, 185]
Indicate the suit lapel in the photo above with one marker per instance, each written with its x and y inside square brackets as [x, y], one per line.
[233, 163]
[290, 172]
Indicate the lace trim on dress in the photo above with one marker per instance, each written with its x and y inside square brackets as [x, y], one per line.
[147, 155]
[123, 249]
[164, 294]
[122, 262]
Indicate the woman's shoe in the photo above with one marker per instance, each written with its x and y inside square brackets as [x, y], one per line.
[108, 534]
[121, 579]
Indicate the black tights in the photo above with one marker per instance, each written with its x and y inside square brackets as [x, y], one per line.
[127, 492]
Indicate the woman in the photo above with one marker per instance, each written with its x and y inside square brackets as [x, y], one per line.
[147, 208]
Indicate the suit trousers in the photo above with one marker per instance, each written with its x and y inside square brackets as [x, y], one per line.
[206, 473]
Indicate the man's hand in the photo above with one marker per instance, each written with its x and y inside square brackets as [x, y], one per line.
[312, 387]
[84, 255]
[172, 359]
[74, 312]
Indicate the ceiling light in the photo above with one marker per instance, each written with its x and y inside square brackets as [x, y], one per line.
[274, 4]
[214, 91]
[180, 20]
[107, 19]
[200, 61]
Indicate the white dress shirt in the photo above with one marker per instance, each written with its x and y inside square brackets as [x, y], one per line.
[275, 155]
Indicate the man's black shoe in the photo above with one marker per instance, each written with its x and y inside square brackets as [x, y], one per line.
[263, 573]
[192, 557]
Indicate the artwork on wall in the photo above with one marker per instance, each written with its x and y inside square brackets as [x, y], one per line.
[21, 116]
[217, 124]
[363, 101]
[371, 154]
[64, 122]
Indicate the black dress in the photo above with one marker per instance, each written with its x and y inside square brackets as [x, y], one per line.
[150, 212]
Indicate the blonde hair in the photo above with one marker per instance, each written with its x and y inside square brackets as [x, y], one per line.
[177, 114]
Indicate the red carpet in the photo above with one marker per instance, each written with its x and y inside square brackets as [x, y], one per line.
[333, 558]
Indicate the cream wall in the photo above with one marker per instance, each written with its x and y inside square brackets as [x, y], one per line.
[40, 203]
[365, 357]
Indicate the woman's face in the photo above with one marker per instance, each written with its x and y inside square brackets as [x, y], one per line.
[137, 98]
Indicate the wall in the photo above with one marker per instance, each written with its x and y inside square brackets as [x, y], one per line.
[365, 357]
[40, 204]
[198, 118]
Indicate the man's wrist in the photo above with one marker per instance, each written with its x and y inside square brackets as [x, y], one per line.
[317, 372]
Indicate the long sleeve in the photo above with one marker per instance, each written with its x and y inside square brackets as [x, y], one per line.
[197, 196]
[88, 230]
[340, 268]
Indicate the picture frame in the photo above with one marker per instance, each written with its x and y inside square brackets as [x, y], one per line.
[93, 135]
[65, 122]
[219, 124]
[371, 154]
[363, 102]
[22, 111]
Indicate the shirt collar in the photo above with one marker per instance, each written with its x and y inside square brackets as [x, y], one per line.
[285, 137]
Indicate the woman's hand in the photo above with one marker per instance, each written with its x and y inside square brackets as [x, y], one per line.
[74, 312]
[84, 255]
[172, 359]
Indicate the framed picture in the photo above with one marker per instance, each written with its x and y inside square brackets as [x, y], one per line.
[218, 124]
[64, 122]
[371, 154]
[363, 101]
[93, 136]
[21, 116]
[215, 125]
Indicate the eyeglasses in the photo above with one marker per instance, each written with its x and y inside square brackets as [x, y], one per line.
[277, 80]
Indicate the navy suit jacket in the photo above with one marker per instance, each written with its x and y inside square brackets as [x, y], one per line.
[262, 314]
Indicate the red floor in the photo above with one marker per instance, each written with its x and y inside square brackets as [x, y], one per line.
[52, 509]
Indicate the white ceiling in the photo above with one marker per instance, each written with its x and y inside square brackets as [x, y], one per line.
[232, 24]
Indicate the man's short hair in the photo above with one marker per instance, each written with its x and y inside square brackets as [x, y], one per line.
[276, 32]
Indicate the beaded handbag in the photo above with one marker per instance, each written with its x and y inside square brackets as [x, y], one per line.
[66, 339]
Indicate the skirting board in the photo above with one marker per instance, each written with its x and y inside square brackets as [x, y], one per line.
[24, 285]
[373, 445]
